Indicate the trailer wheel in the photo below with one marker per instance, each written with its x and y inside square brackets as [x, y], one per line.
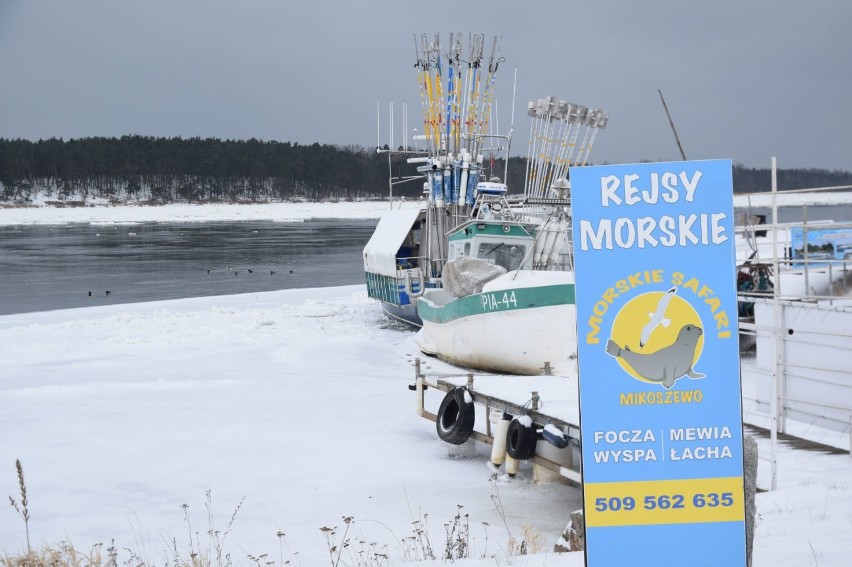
[455, 417]
[520, 441]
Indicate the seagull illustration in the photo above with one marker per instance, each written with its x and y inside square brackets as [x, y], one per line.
[657, 317]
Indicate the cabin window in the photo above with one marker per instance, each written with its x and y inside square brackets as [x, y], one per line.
[457, 250]
[509, 256]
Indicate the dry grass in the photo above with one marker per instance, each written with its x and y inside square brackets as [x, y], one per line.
[64, 555]
[22, 510]
[346, 548]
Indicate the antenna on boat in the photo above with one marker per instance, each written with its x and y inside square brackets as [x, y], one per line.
[392, 150]
[677, 139]
[511, 127]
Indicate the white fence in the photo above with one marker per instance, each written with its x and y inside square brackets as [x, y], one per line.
[808, 355]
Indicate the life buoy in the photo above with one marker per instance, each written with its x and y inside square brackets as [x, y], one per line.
[521, 439]
[456, 416]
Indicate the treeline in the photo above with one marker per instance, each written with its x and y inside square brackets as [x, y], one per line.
[142, 168]
[193, 169]
[751, 180]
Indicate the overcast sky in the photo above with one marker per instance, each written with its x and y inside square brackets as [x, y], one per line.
[742, 79]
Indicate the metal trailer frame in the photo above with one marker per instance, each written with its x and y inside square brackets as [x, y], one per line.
[572, 474]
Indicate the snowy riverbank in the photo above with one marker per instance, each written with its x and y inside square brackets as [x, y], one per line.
[289, 212]
[282, 212]
[298, 401]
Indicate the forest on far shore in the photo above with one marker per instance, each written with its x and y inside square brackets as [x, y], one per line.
[164, 170]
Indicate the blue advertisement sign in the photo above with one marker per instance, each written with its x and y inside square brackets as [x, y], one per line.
[658, 355]
[818, 245]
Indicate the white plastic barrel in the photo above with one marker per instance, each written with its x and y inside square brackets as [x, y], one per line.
[500, 427]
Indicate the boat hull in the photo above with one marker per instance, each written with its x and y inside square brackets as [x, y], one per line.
[406, 314]
[511, 330]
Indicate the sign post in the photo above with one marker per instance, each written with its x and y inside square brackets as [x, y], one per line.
[658, 355]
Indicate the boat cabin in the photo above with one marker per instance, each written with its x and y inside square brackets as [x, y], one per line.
[504, 243]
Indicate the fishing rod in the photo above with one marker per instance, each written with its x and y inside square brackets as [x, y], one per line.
[597, 122]
[439, 90]
[457, 50]
[430, 91]
[485, 106]
[548, 122]
[476, 58]
[532, 147]
[563, 157]
[583, 148]
[450, 90]
[421, 67]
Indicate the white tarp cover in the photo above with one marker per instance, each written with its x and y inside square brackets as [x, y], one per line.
[465, 276]
[380, 251]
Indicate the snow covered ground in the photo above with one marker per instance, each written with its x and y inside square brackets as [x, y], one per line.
[296, 400]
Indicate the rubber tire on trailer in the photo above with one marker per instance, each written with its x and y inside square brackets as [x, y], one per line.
[520, 441]
[455, 417]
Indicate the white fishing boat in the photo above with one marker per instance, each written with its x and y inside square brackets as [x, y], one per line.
[489, 280]
[805, 262]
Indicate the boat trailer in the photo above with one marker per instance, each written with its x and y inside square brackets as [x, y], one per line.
[549, 440]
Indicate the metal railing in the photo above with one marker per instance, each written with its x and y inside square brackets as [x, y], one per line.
[792, 355]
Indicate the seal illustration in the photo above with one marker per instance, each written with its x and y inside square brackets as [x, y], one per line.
[657, 317]
[667, 364]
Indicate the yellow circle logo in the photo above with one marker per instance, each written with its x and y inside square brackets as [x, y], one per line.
[657, 337]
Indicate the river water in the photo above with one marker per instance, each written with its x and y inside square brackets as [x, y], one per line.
[45, 267]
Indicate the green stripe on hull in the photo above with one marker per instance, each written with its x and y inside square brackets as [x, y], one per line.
[498, 301]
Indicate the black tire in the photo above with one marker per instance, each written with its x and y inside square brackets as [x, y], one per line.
[520, 441]
[455, 417]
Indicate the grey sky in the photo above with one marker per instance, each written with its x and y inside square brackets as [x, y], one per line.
[743, 80]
